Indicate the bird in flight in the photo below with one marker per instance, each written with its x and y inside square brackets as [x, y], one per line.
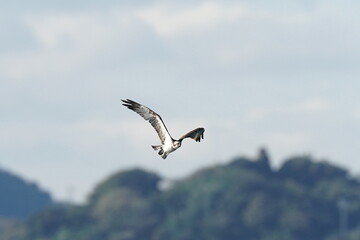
[168, 144]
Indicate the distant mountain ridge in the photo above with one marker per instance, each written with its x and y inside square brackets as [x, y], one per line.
[303, 199]
[19, 199]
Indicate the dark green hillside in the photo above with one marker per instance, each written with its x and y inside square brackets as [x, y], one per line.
[244, 199]
[20, 199]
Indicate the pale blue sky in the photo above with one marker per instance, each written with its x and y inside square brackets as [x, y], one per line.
[280, 74]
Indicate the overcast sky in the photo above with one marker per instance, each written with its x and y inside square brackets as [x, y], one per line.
[280, 74]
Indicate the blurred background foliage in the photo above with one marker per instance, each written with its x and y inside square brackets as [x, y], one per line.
[244, 199]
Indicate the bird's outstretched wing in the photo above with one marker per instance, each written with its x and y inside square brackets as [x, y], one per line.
[152, 117]
[196, 134]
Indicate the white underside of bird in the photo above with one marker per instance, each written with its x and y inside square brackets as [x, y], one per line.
[165, 149]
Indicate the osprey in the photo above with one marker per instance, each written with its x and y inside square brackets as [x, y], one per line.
[168, 143]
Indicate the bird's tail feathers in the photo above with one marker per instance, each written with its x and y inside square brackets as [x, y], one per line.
[156, 147]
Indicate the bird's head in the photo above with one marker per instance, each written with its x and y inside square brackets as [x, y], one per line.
[176, 144]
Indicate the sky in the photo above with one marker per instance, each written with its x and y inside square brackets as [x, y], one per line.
[280, 74]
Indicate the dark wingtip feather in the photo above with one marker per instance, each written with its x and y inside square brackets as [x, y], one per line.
[131, 101]
[130, 104]
[128, 101]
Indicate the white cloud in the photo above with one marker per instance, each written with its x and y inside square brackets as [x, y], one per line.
[257, 114]
[304, 108]
[170, 20]
[312, 107]
[88, 30]
[67, 41]
[238, 36]
[356, 113]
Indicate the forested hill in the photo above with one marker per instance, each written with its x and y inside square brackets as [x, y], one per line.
[244, 199]
[20, 199]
